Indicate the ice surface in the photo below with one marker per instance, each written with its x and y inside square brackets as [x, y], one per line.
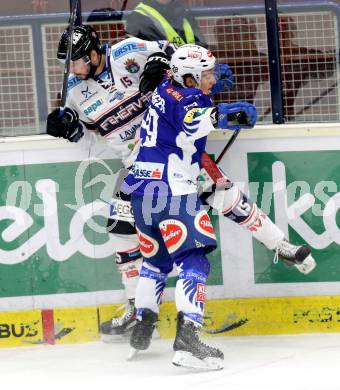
[294, 362]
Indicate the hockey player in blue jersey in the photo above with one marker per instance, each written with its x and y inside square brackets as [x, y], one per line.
[172, 224]
[220, 193]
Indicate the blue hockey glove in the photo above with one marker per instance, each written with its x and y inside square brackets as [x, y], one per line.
[224, 77]
[235, 116]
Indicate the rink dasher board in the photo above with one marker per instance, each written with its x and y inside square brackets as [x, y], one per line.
[247, 272]
[224, 317]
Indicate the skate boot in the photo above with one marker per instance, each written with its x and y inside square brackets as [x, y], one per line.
[121, 327]
[142, 332]
[295, 255]
[191, 352]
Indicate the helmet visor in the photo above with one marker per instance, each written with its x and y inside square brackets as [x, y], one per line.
[77, 64]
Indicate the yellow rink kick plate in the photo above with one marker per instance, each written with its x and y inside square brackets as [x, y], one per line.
[224, 317]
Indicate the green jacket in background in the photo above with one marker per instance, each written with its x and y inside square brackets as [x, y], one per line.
[172, 22]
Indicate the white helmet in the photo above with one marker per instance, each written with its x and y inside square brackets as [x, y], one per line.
[193, 60]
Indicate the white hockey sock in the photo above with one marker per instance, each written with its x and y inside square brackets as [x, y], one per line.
[263, 228]
[150, 287]
[236, 206]
[130, 276]
[190, 296]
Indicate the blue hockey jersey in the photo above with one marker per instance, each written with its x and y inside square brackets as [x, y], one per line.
[173, 137]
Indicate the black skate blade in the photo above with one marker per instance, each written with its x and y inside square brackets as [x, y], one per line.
[114, 338]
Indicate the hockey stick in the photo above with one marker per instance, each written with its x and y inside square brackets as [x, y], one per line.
[73, 18]
[213, 171]
[124, 5]
[226, 327]
[228, 145]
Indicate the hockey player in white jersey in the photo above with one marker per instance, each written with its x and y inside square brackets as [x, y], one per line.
[104, 100]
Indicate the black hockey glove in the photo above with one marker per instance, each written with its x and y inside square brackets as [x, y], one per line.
[64, 125]
[154, 70]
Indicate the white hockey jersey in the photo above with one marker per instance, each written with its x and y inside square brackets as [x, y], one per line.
[110, 104]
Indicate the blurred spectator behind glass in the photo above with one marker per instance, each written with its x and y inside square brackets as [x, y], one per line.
[170, 20]
[303, 68]
[236, 40]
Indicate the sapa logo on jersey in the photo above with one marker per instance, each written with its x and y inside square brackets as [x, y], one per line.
[204, 225]
[174, 234]
[201, 292]
[147, 245]
[146, 170]
[93, 107]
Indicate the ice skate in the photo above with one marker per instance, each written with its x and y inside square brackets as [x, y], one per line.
[298, 256]
[191, 352]
[142, 332]
[119, 328]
